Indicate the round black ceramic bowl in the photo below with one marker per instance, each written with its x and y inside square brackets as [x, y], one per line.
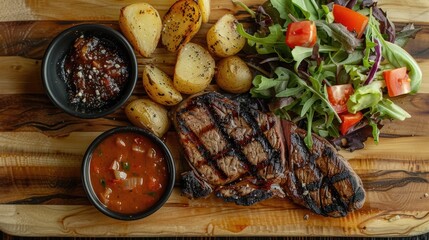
[53, 68]
[86, 178]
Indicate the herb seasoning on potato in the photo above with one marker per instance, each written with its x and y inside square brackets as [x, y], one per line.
[141, 25]
[194, 69]
[148, 114]
[181, 22]
[223, 40]
[159, 86]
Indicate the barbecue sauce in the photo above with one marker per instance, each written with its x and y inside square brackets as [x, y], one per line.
[95, 73]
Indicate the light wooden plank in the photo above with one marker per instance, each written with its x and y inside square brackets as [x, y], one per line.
[25, 10]
[78, 221]
[406, 10]
[24, 148]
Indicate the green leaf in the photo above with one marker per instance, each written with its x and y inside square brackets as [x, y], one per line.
[308, 104]
[245, 7]
[408, 32]
[308, 8]
[354, 58]
[274, 37]
[328, 13]
[316, 84]
[308, 140]
[321, 97]
[340, 33]
[301, 53]
[263, 86]
[375, 131]
[290, 92]
[365, 97]
[387, 108]
[284, 8]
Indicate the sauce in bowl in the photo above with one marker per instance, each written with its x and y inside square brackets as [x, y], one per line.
[128, 172]
[95, 72]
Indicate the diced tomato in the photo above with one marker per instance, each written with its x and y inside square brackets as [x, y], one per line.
[352, 20]
[153, 184]
[338, 96]
[349, 120]
[302, 34]
[397, 81]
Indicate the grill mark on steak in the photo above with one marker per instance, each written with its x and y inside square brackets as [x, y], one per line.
[261, 123]
[259, 136]
[269, 164]
[220, 124]
[330, 187]
[261, 156]
[195, 140]
[221, 113]
[211, 159]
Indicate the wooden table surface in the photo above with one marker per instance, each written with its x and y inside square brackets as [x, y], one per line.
[41, 147]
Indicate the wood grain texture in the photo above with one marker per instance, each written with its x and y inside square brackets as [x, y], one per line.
[41, 147]
[25, 10]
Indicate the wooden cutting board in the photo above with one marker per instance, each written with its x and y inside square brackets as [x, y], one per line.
[41, 147]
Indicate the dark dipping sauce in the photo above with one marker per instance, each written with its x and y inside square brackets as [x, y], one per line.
[128, 173]
[95, 73]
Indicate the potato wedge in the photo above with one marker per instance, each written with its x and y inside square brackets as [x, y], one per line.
[194, 69]
[205, 10]
[141, 24]
[181, 22]
[148, 114]
[223, 40]
[159, 86]
[233, 75]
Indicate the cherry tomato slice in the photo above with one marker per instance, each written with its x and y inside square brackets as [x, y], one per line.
[397, 81]
[338, 96]
[349, 120]
[353, 21]
[302, 34]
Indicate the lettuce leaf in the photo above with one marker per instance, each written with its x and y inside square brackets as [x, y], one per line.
[365, 97]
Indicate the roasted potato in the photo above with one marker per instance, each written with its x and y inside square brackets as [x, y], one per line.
[141, 25]
[148, 114]
[233, 75]
[159, 86]
[194, 69]
[223, 40]
[205, 10]
[181, 22]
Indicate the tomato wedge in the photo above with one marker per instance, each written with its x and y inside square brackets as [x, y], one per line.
[338, 96]
[352, 20]
[397, 81]
[348, 121]
[302, 34]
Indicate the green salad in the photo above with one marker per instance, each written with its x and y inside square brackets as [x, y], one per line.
[332, 67]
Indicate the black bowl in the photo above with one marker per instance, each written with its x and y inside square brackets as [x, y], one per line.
[93, 196]
[53, 69]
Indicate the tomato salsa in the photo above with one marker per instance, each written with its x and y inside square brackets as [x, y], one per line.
[128, 172]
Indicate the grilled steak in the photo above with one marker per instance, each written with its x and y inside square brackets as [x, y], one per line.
[245, 155]
[319, 179]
